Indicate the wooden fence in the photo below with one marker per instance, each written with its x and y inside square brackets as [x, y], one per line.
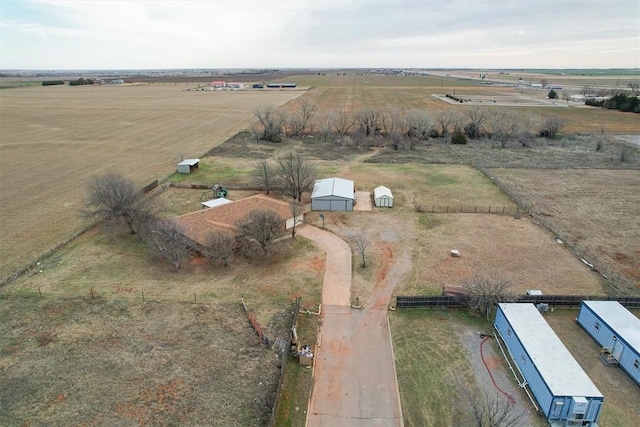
[567, 301]
[283, 367]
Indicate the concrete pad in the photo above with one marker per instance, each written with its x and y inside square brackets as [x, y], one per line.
[364, 201]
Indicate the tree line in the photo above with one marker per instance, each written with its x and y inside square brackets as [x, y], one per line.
[401, 129]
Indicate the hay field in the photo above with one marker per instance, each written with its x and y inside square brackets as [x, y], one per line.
[52, 139]
[597, 210]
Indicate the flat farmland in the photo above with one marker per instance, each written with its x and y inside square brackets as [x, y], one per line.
[52, 139]
[597, 210]
[353, 92]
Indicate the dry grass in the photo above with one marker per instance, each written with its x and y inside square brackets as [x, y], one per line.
[54, 138]
[597, 210]
[121, 363]
[621, 398]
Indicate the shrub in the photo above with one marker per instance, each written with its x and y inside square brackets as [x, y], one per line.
[459, 138]
[53, 83]
[552, 94]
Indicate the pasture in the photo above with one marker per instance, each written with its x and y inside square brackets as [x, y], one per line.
[597, 210]
[54, 138]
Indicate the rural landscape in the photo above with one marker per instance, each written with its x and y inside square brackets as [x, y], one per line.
[502, 179]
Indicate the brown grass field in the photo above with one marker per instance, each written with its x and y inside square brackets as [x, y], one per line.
[597, 210]
[54, 138]
[164, 360]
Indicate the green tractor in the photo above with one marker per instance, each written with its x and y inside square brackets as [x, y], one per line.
[219, 192]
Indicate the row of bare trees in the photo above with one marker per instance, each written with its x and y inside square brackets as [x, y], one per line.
[402, 129]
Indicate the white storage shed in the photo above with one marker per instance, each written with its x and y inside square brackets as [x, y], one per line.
[332, 194]
[188, 165]
[617, 332]
[383, 197]
[563, 391]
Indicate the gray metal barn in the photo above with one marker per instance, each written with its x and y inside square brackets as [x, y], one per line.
[332, 194]
[188, 165]
[383, 197]
[617, 332]
[563, 391]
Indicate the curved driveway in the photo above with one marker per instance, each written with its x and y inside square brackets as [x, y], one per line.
[354, 372]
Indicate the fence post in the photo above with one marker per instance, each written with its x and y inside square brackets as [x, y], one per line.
[142, 296]
[39, 291]
[475, 210]
[489, 209]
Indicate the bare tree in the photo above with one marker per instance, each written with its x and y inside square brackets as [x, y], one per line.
[361, 242]
[265, 175]
[544, 83]
[523, 129]
[484, 294]
[324, 123]
[166, 239]
[272, 122]
[370, 121]
[219, 246]
[394, 121]
[566, 97]
[300, 120]
[417, 124]
[551, 126]
[261, 226]
[112, 197]
[635, 87]
[503, 126]
[477, 116]
[297, 210]
[342, 122]
[297, 175]
[444, 119]
[489, 409]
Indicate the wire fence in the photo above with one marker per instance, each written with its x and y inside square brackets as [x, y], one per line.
[566, 301]
[619, 284]
[498, 210]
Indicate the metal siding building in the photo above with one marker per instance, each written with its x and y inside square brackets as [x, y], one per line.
[332, 194]
[383, 197]
[561, 388]
[188, 165]
[615, 329]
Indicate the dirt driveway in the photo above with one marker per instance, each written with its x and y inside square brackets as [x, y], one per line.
[354, 374]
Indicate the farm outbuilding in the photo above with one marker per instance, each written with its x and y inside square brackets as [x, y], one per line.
[188, 165]
[332, 194]
[617, 332]
[383, 197]
[562, 390]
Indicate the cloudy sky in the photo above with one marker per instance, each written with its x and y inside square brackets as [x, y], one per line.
[84, 34]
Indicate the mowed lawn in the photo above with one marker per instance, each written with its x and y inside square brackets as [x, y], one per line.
[53, 139]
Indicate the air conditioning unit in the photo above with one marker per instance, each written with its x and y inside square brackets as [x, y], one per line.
[578, 408]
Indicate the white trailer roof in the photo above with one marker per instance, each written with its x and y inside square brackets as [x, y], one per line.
[333, 187]
[216, 202]
[621, 320]
[189, 162]
[382, 191]
[560, 371]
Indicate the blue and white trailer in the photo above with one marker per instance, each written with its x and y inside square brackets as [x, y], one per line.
[563, 391]
[617, 332]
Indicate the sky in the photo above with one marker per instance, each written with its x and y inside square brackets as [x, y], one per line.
[117, 34]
